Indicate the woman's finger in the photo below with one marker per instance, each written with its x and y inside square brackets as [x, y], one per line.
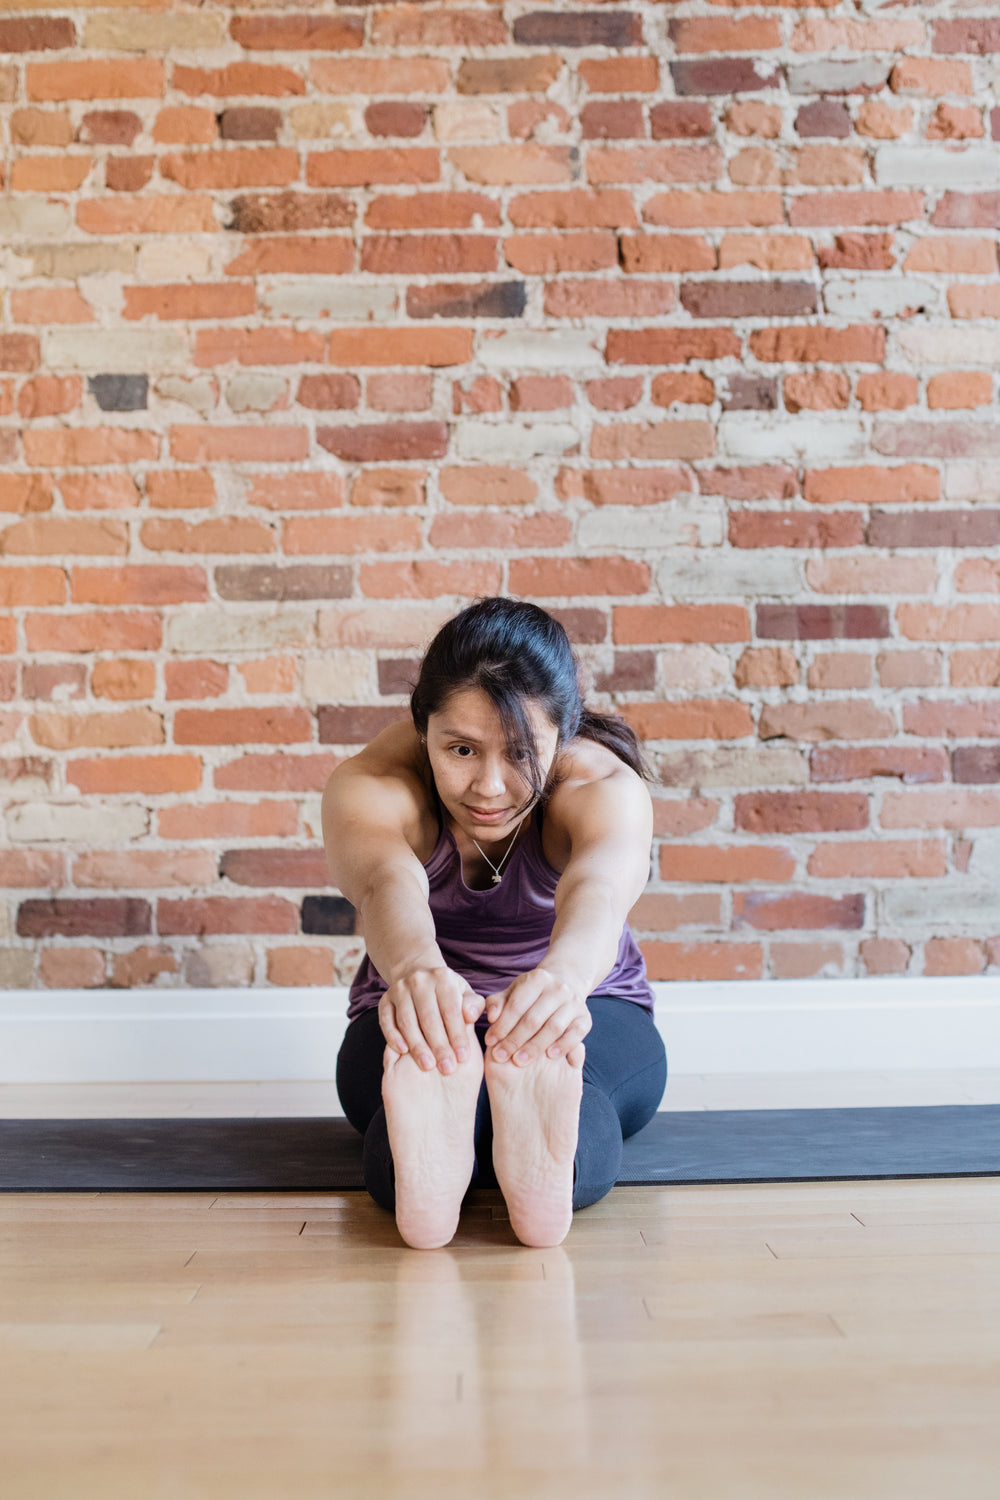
[525, 1044]
[394, 1038]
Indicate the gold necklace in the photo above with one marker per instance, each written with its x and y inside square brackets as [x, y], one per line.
[496, 877]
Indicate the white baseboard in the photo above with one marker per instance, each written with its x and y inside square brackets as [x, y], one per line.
[192, 1036]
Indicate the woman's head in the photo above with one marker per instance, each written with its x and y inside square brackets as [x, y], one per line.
[520, 658]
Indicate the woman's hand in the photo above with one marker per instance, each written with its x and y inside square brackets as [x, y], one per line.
[539, 1012]
[427, 1012]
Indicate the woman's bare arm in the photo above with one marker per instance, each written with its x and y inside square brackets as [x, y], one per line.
[609, 824]
[371, 821]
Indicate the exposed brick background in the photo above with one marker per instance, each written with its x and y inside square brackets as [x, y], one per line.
[682, 318]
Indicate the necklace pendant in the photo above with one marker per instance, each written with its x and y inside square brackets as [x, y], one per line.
[497, 879]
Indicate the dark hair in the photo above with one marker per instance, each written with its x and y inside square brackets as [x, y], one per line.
[516, 654]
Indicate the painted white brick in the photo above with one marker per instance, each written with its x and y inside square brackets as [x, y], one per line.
[938, 166]
[173, 259]
[16, 965]
[134, 32]
[694, 668]
[985, 858]
[255, 392]
[967, 483]
[822, 439]
[200, 630]
[691, 523]
[405, 627]
[76, 823]
[124, 350]
[736, 574]
[528, 349]
[325, 297]
[837, 76]
[936, 908]
[199, 393]
[344, 677]
[490, 443]
[880, 297]
[465, 120]
[943, 345]
[727, 765]
[33, 218]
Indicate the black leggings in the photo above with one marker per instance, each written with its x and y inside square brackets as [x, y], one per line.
[623, 1081]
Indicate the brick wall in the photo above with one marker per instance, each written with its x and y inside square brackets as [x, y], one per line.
[680, 318]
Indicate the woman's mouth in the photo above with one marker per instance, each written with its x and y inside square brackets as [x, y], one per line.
[488, 814]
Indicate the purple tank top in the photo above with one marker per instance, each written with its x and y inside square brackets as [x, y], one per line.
[491, 936]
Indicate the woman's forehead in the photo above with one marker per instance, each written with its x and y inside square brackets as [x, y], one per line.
[469, 712]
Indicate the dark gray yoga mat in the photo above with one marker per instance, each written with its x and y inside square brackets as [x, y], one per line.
[308, 1153]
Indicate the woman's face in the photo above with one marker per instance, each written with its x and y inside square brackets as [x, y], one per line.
[483, 788]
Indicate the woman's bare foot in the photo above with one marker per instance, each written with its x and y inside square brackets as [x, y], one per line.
[431, 1119]
[536, 1121]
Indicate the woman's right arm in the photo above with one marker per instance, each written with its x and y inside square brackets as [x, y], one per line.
[370, 816]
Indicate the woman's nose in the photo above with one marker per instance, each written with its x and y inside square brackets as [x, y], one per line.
[489, 776]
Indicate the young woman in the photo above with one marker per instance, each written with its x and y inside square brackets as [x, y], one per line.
[493, 848]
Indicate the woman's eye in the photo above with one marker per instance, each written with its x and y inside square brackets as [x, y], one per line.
[463, 750]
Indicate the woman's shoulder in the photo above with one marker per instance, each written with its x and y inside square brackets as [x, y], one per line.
[592, 788]
[387, 781]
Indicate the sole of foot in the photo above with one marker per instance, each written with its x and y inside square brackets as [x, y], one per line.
[536, 1121]
[431, 1118]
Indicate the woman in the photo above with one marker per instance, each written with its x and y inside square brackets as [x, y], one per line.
[493, 848]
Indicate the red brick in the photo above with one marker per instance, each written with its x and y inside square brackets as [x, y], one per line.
[428, 254]
[665, 911]
[228, 820]
[714, 210]
[978, 35]
[959, 389]
[822, 390]
[684, 962]
[719, 719]
[329, 392]
[278, 866]
[619, 75]
[398, 392]
[383, 488]
[431, 26]
[725, 864]
[945, 808]
[861, 207]
[386, 442]
[346, 534]
[304, 255]
[615, 394]
[967, 211]
[809, 345]
[576, 208]
[505, 75]
[225, 534]
[114, 631]
[236, 726]
[775, 528]
[754, 482]
[552, 254]
[366, 168]
[305, 966]
[822, 622]
[31, 586]
[487, 485]
[221, 914]
[800, 812]
[665, 253]
[239, 445]
[774, 913]
[123, 679]
[503, 165]
[138, 584]
[47, 680]
[653, 441]
[908, 764]
[885, 956]
[642, 164]
[670, 346]
[857, 252]
[687, 389]
[541, 393]
[881, 859]
[276, 773]
[963, 622]
[179, 489]
[396, 117]
[840, 671]
[650, 623]
[940, 720]
[195, 679]
[805, 960]
[400, 346]
[898, 669]
[871, 485]
[28, 869]
[849, 719]
[612, 119]
[682, 119]
[554, 577]
[429, 580]
[679, 819]
[954, 956]
[151, 775]
[433, 210]
[95, 916]
[354, 724]
[608, 299]
[485, 529]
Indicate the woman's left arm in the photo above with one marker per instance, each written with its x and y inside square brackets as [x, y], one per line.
[609, 823]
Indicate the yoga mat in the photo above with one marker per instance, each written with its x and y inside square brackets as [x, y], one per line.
[308, 1153]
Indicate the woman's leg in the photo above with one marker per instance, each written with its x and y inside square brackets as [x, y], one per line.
[624, 1076]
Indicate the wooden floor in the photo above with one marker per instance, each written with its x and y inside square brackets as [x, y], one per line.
[832, 1341]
